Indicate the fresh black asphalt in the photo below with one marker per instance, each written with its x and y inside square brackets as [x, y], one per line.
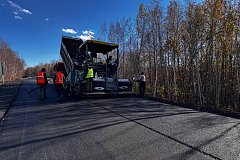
[112, 129]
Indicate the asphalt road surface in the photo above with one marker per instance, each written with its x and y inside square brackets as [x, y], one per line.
[113, 129]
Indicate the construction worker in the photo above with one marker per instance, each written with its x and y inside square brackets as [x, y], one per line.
[42, 82]
[109, 60]
[112, 65]
[88, 77]
[58, 80]
[142, 84]
[89, 73]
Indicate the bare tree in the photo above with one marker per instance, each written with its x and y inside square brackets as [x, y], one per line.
[189, 55]
[14, 65]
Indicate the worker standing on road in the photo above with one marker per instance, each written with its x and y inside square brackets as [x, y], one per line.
[142, 84]
[58, 80]
[42, 82]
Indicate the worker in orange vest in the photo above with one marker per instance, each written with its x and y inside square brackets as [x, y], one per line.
[58, 81]
[42, 82]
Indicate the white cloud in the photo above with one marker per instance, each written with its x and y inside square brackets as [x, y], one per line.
[17, 10]
[17, 17]
[26, 11]
[86, 35]
[67, 30]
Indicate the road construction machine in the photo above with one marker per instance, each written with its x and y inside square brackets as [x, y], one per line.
[101, 57]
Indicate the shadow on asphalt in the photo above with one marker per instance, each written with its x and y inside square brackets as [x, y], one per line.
[68, 119]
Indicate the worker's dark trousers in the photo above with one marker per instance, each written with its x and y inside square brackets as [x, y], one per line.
[59, 89]
[43, 87]
[142, 86]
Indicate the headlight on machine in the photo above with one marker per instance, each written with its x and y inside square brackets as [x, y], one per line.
[123, 87]
[99, 88]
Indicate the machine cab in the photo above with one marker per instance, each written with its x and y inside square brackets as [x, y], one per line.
[101, 56]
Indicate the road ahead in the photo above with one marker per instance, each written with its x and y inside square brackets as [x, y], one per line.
[116, 128]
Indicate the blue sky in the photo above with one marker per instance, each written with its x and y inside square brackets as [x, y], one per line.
[33, 28]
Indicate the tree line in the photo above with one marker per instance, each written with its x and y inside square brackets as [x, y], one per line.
[13, 64]
[32, 71]
[190, 53]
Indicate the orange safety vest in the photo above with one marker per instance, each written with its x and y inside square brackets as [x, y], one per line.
[59, 78]
[40, 78]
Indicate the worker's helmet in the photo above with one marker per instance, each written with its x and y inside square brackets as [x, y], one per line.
[43, 69]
